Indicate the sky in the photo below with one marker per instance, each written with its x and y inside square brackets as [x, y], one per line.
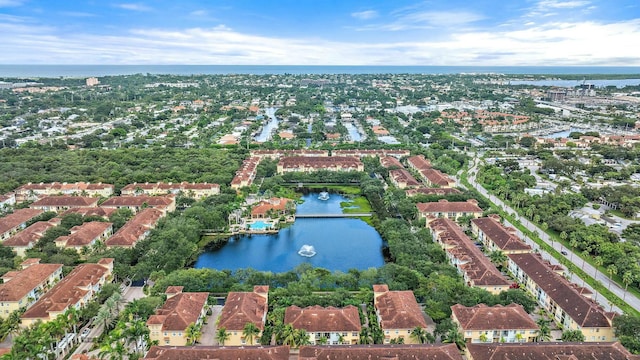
[322, 32]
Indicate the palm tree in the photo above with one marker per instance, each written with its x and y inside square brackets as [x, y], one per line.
[192, 333]
[301, 338]
[222, 336]
[611, 270]
[498, 257]
[544, 331]
[519, 337]
[453, 336]
[483, 338]
[288, 335]
[250, 332]
[135, 332]
[341, 339]
[365, 336]
[73, 317]
[105, 317]
[322, 341]
[419, 335]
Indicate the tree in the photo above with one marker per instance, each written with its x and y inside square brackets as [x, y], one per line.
[301, 338]
[454, 336]
[193, 333]
[250, 332]
[498, 257]
[135, 332]
[627, 330]
[419, 335]
[484, 338]
[611, 270]
[544, 331]
[222, 335]
[572, 336]
[627, 279]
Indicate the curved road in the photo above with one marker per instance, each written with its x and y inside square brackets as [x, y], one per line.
[630, 298]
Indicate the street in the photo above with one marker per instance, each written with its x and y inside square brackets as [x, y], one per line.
[619, 291]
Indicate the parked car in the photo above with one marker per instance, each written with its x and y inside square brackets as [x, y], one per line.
[85, 332]
[564, 252]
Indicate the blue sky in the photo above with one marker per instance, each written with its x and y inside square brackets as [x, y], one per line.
[321, 32]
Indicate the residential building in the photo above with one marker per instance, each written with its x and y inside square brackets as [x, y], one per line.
[27, 238]
[419, 162]
[242, 308]
[402, 179]
[20, 289]
[85, 235]
[432, 191]
[381, 352]
[7, 200]
[63, 202]
[192, 190]
[164, 203]
[246, 173]
[497, 237]
[432, 176]
[33, 192]
[92, 81]
[450, 210]
[397, 153]
[217, 353]
[136, 229]
[390, 162]
[274, 207]
[476, 269]
[181, 309]
[336, 326]
[311, 164]
[482, 323]
[16, 221]
[97, 211]
[563, 301]
[398, 313]
[549, 351]
[75, 290]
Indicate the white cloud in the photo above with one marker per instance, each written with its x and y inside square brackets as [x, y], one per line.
[557, 43]
[559, 4]
[365, 15]
[133, 7]
[199, 13]
[10, 3]
[413, 19]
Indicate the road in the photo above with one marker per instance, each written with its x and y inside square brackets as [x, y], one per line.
[619, 291]
[129, 294]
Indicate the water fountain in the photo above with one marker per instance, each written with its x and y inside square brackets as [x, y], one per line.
[307, 251]
[323, 196]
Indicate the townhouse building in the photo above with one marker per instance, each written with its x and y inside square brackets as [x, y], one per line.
[164, 203]
[450, 210]
[27, 238]
[193, 190]
[217, 353]
[242, 308]
[85, 235]
[486, 324]
[549, 351]
[169, 323]
[335, 326]
[74, 290]
[60, 203]
[311, 164]
[398, 313]
[32, 192]
[136, 229]
[497, 237]
[21, 288]
[16, 221]
[381, 352]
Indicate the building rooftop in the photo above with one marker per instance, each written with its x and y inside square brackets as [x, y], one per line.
[218, 353]
[66, 201]
[498, 317]
[550, 351]
[241, 308]
[83, 235]
[180, 310]
[320, 319]
[131, 232]
[17, 218]
[504, 238]
[30, 235]
[444, 206]
[381, 352]
[398, 309]
[17, 284]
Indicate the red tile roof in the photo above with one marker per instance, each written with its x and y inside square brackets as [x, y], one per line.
[241, 308]
[498, 317]
[432, 191]
[90, 211]
[70, 290]
[390, 161]
[134, 230]
[30, 235]
[66, 201]
[319, 319]
[381, 352]
[477, 268]
[152, 201]
[343, 162]
[585, 312]
[550, 351]
[444, 206]
[403, 176]
[18, 284]
[84, 234]
[419, 162]
[17, 218]
[504, 238]
[218, 353]
[275, 204]
[179, 311]
[399, 310]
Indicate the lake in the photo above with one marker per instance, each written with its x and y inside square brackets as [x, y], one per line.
[340, 243]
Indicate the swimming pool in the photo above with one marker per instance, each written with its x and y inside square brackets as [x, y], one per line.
[259, 225]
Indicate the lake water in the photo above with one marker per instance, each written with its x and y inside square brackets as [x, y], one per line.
[562, 134]
[268, 128]
[340, 243]
[354, 134]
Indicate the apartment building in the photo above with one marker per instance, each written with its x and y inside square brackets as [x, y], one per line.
[311, 164]
[398, 313]
[63, 202]
[242, 308]
[192, 190]
[33, 192]
[136, 229]
[85, 235]
[486, 324]
[217, 353]
[497, 237]
[27, 238]
[164, 203]
[168, 324]
[16, 221]
[381, 352]
[335, 326]
[20, 289]
[450, 210]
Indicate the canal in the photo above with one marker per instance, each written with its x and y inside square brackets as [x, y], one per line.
[339, 244]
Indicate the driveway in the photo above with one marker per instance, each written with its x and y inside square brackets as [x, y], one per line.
[208, 337]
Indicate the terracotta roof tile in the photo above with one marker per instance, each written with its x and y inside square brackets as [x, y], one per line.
[498, 317]
[319, 319]
[241, 308]
[399, 310]
[30, 235]
[504, 238]
[218, 353]
[550, 351]
[381, 352]
[18, 284]
[66, 201]
[17, 218]
[180, 310]
[444, 206]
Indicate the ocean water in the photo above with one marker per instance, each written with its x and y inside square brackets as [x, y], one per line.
[30, 71]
